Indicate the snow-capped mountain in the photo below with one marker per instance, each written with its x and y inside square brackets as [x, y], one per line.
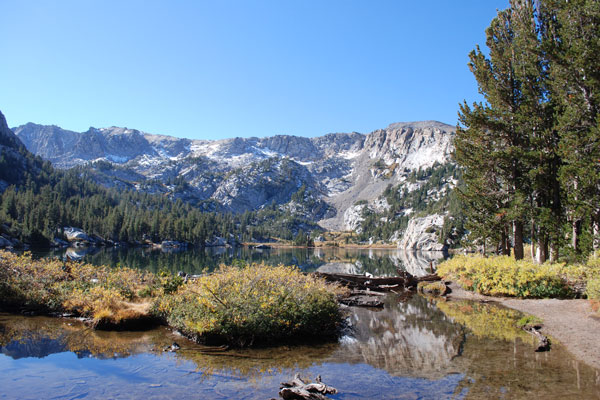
[337, 170]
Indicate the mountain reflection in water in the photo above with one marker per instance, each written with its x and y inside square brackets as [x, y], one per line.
[413, 348]
[378, 262]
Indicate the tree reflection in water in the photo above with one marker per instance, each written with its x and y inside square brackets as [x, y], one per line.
[415, 347]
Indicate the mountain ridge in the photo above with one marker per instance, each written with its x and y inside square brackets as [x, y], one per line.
[242, 174]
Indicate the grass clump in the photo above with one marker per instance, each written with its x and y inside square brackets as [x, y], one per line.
[503, 276]
[257, 304]
[434, 288]
[529, 320]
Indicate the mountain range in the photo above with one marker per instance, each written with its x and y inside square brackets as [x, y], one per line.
[335, 171]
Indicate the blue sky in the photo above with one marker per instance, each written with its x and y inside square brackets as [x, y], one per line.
[225, 68]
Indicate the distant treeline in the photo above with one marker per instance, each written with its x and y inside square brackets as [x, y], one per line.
[43, 200]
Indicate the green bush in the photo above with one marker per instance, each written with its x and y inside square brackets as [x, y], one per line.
[254, 305]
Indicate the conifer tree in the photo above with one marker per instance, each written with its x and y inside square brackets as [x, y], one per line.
[573, 46]
[493, 142]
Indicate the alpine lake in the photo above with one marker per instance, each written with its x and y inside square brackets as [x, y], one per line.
[414, 347]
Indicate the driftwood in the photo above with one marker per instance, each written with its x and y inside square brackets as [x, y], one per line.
[404, 280]
[297, 389]
[366, 289]
[543, 341]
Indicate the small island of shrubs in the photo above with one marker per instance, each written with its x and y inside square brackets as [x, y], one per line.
[251, 305]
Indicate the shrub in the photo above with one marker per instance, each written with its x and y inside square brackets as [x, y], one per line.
[101, 293]
[503, 276]
[434, 288]
[593, 288]
[257, 304]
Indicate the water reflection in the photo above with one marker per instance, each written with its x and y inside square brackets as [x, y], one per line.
[379, 262]
[411, 338]
[415, 348]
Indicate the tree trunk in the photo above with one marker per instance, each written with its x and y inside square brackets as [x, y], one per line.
[502, 245]
[518, 238]
[576, 232]
[553, 251]
[542, 250]
[532, 233]
[596, 234]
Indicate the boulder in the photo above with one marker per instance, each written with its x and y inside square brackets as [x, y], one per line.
[76, 235]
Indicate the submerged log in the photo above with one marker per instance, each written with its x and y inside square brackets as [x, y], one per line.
[543, 341]
[298, 389]
[360, 300]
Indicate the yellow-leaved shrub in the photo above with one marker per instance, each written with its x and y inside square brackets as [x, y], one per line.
[254, 304]
[503, 276]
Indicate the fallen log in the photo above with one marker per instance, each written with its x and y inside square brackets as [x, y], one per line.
[361, 282]
[429, 278]
[298, 389]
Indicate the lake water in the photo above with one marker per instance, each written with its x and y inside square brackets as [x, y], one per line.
[379, 262]
[414, 348]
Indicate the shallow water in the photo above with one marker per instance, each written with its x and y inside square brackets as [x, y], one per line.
[412, 349]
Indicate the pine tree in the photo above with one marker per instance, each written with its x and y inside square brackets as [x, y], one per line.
[573, 46]
[493, 142]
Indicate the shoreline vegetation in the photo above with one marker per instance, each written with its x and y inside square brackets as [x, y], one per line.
[240, 307]
[503, 276]
[260, 305]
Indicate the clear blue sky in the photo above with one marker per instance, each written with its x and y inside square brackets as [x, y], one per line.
[223, 68]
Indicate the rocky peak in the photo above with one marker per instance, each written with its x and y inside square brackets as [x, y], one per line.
[411, 145]
[7, 137]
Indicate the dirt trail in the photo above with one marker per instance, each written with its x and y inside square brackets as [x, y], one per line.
[571, 322]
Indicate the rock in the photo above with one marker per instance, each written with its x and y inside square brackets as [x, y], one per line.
[353, 217]
[339, 268]
[216, 242]
[172, 243]
[5, 242]
[76, 235]
[56, 242]
[420, 234]
[172, 348]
